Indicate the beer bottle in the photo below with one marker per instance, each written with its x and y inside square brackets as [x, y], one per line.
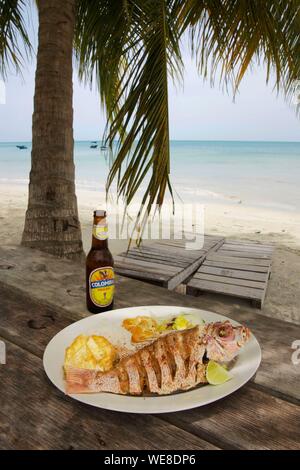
[99, 268]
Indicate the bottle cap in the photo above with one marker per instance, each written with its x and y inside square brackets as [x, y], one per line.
[99, 213]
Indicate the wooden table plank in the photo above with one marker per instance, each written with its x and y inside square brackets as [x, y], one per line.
[232, 273]
[257, 245]
[229, 259]
[229, 280]
[34, 415]
[144, 265]
[172, 254]
[227, 289]
[155, 259]
[167, 252]
[239, 266]
[248, 419]
[244, 254]
[160, 279]
[276, 372]
[249, 248]
[61, 287]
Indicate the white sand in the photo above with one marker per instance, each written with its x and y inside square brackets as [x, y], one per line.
[234, 220]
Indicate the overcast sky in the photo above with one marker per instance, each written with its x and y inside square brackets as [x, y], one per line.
[197, 112]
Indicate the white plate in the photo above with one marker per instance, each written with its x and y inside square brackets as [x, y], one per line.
[108, 324]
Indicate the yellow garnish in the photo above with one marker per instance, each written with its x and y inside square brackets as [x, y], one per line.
[141, 328]
[181, 323]
[145, 328]
[90, 352]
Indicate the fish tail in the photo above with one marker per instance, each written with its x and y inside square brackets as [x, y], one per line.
[80, 380]
[91, 381]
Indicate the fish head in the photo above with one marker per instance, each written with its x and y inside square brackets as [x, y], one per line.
[223, 340]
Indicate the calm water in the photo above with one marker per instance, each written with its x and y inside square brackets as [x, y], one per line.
[259, 174]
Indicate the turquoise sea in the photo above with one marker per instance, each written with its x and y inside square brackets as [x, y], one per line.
[262, 174]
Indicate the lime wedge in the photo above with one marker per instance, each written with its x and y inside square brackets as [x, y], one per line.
[216, 374]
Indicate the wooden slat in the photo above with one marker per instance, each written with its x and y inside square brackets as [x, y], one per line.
[182, 255]
[153, 278]
[243, 254]
[228, 246]
[247, 243]
[220, 288]
[256, 247]
[208, 243]
[241, 267]
[256, 253]
[232, 273]
[159, 256]
[144, 265]
[180, 277]
[252, 261]
[179, 264]
[248, 419]
[229, 280]
[176, 243]
[30, 402]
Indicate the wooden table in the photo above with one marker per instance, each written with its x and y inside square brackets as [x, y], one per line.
[264, 414]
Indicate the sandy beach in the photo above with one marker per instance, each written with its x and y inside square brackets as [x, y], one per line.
[237, 221]
[233, 220]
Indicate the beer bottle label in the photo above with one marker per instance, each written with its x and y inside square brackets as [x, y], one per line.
[102, 286]
[100, 231]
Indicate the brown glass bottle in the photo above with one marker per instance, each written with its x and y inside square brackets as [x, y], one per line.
[99, 268]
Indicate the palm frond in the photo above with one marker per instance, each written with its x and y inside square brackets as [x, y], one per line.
[14, 40]
[132, 48]
[231, 35]
[133, 79]
[102, 35]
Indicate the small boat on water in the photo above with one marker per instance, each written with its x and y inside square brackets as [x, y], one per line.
[93, 146]
[21, 147]
[103, 147]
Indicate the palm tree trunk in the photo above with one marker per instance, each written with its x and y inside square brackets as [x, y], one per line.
[51, 222]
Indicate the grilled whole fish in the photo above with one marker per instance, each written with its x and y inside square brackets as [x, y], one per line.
[173, 362]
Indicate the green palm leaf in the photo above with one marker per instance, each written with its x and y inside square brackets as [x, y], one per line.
[135, 92]
[14, 40]
[101, 31]
[133, 47]
[231, 35]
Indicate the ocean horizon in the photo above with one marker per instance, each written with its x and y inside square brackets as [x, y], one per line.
[254, 173]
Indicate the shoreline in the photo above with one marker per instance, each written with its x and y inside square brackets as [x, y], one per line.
[231, 220]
